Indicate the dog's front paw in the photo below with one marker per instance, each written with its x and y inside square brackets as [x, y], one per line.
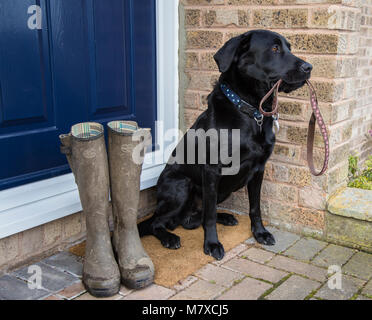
[215, 250]
[264, 237]
[171, 241]
[226, 219]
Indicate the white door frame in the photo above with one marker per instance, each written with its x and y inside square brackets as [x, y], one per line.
[37, 203]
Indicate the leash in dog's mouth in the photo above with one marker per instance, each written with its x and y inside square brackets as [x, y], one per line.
[316, 116]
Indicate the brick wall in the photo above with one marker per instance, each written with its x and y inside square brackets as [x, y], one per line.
[325, 33]
[362, 115]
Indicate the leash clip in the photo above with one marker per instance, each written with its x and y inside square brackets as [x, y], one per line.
[259, 119]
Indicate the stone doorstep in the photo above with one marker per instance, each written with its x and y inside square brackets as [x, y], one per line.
[349, 218]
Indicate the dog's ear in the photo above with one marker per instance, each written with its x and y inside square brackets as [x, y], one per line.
[225, 56]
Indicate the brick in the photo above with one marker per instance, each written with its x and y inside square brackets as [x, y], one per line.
[359, 266]
[286, 153]
[255, 270]
[191, 100]
[201, 80]
[313, 43]
[218, 275]
[52, 232]
[333, 255]
[12, 288]
[207, 62]
[223, 17]
[257, 255]
[248, 289]
[294, 288]
[200, 290]
[53, 297]
[192, 18]
[244, 2]
[153, 292]
[31, 241]
[203, 2]
[299, 176]
[72, 225]
[280, 173]
[284, 192]
[280, 18]
[9, 249]
[72, 291]
[305, 249]
[298, 267]
[334, 18]
[204, 39]
[192, 60]
[66, 262]
[349, 286]
[312, 198]
[51, 279]
[291, 110]
[244, 18]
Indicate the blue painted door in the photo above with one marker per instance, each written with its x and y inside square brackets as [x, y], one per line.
[90, 60]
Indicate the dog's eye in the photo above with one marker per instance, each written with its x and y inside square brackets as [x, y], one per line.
[275, 49]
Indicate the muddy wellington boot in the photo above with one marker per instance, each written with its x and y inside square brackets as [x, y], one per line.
[86, 153]
[136, 268]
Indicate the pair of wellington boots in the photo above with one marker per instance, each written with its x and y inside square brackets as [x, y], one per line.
[94, 174]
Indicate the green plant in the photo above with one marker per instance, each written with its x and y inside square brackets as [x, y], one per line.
[360, 178]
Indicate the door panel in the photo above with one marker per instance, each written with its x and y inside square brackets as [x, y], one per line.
[92, 60]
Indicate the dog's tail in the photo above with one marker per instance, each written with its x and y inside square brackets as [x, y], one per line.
[144, 227]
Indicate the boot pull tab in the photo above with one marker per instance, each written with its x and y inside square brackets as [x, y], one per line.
[65, 146]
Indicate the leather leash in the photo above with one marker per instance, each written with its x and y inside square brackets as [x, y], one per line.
[315, 117]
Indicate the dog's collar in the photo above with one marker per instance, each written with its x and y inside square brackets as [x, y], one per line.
[242, 105]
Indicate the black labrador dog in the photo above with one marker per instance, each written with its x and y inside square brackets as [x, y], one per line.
[188, 193]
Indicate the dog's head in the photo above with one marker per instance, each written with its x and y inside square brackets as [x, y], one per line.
[265, 56]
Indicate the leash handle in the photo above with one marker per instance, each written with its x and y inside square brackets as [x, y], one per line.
[274, 109]
[316, 116]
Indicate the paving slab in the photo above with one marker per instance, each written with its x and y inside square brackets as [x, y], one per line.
[294, 288]
[221, 276]
[255, 270]
[368, 288]
[363, 298]
[360, 266]
[333, 255]
[305, 249]
[349, 286]
[248, 289]
[231, 254]
[72, 291]
[152, 292]
[88, 296]
[299, 267]
[200, 290]
[51, 279]
[185, 283]
[12, 288]
[257, 255]
[66, 261]
[283, 240]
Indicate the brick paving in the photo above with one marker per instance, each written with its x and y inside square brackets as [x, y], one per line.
[295, 268]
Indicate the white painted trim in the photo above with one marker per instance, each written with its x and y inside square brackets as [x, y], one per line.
[34, 204]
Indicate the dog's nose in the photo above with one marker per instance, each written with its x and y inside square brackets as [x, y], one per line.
[306, 67]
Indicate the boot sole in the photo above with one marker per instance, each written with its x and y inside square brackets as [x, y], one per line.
[103, 293]
[137, 284]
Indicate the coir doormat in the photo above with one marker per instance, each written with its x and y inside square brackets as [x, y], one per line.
[171, 266]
